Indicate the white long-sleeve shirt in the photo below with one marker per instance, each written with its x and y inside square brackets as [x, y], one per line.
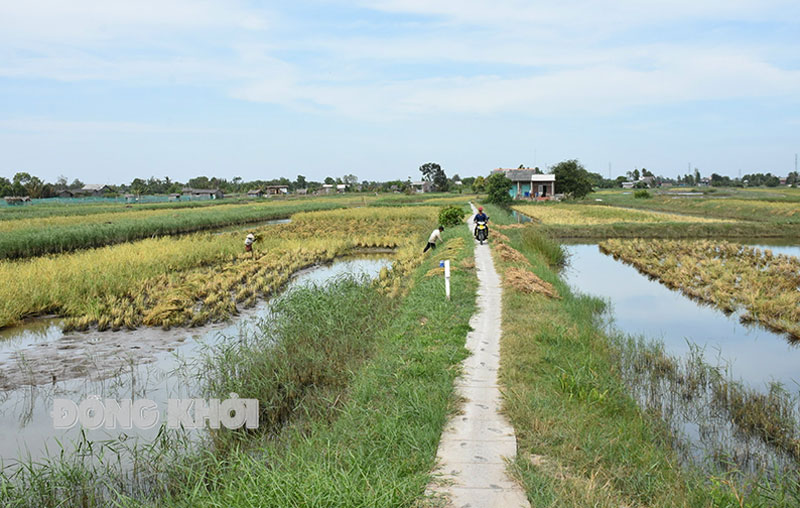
[436, 236]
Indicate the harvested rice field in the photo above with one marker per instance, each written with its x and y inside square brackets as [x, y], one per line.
[583, 215]
[762, 286]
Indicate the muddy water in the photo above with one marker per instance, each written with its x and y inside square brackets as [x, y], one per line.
[644, 307]
[39, 363]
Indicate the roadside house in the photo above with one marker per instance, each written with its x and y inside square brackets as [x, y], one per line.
[255, 193]
[527, 184]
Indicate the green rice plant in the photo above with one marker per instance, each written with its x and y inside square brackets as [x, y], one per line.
[26, 238]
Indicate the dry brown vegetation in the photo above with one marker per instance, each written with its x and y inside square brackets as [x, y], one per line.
[529, 282]
[729, 275]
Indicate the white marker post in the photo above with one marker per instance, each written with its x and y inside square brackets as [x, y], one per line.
[446, 265]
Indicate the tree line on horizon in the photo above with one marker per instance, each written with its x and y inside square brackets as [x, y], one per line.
[25, 184]
[571, 173]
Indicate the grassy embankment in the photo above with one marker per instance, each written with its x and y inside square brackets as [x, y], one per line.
[196, 278]
[23, 238]
[582, 440]
[355, 382]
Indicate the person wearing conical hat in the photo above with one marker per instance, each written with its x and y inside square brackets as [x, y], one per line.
[248, 242]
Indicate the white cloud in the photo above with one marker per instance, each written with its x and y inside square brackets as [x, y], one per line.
[467, 56]
[103, 20]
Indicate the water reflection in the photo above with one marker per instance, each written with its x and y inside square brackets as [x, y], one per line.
[646, 307]
[25, 411]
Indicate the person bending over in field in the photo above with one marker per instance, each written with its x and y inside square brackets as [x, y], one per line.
[248, 242]
[436, 236]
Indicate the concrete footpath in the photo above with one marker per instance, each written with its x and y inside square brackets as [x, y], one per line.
[478, 440]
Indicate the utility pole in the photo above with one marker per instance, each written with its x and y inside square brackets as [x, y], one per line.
[795, 163]
[609, 167]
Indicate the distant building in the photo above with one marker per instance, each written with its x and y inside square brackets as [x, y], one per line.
[66, 193]
[327, 188]
[302, 192]
[95, 189]
[341, 188]
[202, 193]
[276, 190]
[255, 193]
[130, 198]
[421, 186]
[527, 184]
[628, 185]
[17, 200]
[174, 197]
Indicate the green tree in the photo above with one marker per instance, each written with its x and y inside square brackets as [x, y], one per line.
[433, 172]
[27, 185]
[6, 188]
[450, 216]
[479, 185]
[300, 183]
[497, 187]
[572, 179]
[200, 182]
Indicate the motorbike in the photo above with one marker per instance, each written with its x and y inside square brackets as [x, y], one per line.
[481, 232]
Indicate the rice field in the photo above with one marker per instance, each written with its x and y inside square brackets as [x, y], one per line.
[194, 279]
[779, 206]
[27, 237]
[568, 214]
[762, 286]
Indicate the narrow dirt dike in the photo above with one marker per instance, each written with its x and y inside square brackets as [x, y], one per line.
[478, 441]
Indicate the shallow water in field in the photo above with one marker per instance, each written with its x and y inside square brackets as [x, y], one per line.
[749, 354]
[645, 307]
[144, 363]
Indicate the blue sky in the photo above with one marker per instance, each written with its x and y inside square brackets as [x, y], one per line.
[108, 90]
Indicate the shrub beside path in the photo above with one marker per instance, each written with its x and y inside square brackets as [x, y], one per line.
[478, 440]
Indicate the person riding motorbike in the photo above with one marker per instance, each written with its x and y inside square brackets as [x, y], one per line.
[479, 217]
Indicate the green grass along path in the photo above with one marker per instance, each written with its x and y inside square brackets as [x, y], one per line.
[478, 441]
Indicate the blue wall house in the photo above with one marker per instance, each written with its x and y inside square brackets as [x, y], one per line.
[529, 185]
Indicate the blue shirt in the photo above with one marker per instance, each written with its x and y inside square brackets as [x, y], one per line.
[481, 217]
